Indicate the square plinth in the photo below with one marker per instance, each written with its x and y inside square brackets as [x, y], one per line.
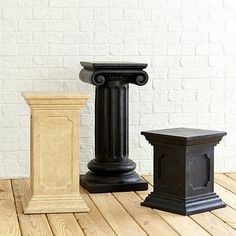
[183, 170]
[112, 185]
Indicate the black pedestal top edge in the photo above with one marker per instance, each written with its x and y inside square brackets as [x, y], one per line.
[185, 133]
[113, 65]
[184, 136]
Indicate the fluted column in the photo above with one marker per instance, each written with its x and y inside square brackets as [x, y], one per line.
[112, 170]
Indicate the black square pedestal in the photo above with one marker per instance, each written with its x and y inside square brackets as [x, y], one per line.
[183, 170]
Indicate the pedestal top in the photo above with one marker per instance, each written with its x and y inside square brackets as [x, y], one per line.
[186, 136]
[54, 95]
[55, 98]
[114, 65]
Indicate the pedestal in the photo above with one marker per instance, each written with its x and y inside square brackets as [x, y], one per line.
[183, 170]
[112, 170]
[54, 153]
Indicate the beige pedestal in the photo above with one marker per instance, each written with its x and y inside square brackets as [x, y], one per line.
[54, 157]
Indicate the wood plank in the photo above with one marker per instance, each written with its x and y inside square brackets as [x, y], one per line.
[184, 225]
[227, 214]
[64, 224]
[144, 194]
[149, 179]
[213, 224]
[149, 221]
[227, 196]
[232, 175]
[93, 223]
[8, 218]
[29, 224]
[117, 217]
[209, 222]
[226, 182]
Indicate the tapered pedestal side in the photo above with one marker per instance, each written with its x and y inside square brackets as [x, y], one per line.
[112, 170]
[183, 170]
[54, 153]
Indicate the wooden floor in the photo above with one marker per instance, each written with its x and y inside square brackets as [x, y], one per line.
[118, 214]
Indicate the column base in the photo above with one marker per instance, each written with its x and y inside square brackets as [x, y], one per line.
[97, 183]
[189, 206]
[52, 204]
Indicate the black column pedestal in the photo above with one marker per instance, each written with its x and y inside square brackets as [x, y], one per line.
[112, 170]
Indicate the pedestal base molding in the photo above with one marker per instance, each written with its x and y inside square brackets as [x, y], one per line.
[188, 206]
[53, 204]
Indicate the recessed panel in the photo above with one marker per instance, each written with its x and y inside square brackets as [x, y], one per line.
[56, 152]
[200, 171]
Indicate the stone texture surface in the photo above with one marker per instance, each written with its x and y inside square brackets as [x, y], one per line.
[54, 136]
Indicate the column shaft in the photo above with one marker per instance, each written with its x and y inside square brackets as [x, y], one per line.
[111, 122]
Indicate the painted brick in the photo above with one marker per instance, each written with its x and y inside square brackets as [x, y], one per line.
[9, 157]
[33, 25]
[123, 3]
[10, 171]
[63, 25]
[93, 3]
[189, 47]
[182, 118]
[63, 3]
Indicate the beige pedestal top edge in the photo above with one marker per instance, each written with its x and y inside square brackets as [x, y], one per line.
[55, 98]
[54, 95]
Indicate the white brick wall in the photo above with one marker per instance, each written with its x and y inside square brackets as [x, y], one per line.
[188, 44]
